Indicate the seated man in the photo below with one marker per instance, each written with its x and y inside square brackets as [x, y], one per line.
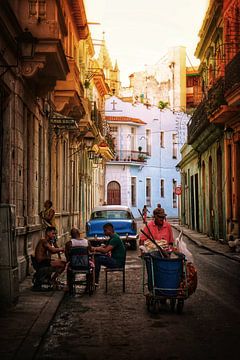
[114, 246]
[77, 240]
[43, 252]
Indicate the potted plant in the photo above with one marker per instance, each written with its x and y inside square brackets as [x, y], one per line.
[162, 105]
[86, 84]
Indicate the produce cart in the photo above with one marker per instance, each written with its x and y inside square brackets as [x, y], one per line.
[166, 281]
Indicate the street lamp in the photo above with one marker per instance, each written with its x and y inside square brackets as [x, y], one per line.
[228, 133]
[88, 139]
[26, 44]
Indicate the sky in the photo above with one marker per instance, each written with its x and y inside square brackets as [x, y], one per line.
[139, 32]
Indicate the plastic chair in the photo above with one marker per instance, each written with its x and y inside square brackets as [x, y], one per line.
[80, 264]
[42, 276]
[112, 270]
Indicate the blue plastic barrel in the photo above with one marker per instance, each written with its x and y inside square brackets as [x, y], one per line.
[167, 273]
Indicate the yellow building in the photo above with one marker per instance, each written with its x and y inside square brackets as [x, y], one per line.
[49, 129]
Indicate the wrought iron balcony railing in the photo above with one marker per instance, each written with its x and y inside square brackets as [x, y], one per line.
[130, 156]
[200, 119]
[232, 73]
[96, 117]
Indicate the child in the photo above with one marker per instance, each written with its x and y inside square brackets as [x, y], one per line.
[144, 213]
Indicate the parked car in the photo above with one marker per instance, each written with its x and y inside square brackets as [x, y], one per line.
[120, 217]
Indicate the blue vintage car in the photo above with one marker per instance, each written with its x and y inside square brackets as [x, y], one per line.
[120, 217]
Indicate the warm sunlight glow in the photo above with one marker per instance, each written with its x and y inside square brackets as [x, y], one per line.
[139, 32]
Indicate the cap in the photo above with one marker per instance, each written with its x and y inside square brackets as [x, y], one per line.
[160, 212]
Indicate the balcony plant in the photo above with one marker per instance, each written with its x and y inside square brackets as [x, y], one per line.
[141, 156]
[162, 105]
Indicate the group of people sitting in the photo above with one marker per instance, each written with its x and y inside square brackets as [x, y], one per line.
[111, 255]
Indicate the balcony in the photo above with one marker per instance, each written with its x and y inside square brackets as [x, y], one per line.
[96, 117]
[130, 156]
[200, 120]
[68, 94]
[232, 80]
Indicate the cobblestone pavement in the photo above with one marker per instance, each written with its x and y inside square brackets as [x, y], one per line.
[23, 326]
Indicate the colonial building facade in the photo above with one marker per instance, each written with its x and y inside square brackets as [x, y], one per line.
[51, 130]
[147, 149]
[211, 158]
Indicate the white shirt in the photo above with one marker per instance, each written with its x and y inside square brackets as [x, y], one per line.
[79, 242]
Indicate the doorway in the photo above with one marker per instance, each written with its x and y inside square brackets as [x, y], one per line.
[210, 192]
[238, 185]
[196, 202]
[219, 192]
[192, 203]
[114, 193]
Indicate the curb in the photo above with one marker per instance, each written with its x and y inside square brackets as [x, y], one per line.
[31, 343]
[232, 256]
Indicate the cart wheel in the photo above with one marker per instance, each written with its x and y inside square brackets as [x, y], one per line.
[180, 305]
[154, 309]
[148, 301]
[151, 304]
[172, 304]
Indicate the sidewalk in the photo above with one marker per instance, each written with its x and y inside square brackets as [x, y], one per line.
[23, 326]
[206, 242]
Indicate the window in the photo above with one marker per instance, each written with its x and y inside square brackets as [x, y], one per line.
[148, 192]
[37, 8]
[174, 185]
[133, 192]
[133, 139]
[65, 176]
[162, 188]
[162, 139]
[113, 129]
[174, 148]
[148, 141]
[114, 133]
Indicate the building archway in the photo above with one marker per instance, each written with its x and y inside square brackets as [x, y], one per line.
[113, 193]
[210, 193]
[219, 192]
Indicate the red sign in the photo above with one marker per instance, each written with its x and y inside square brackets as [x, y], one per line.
[178, 190]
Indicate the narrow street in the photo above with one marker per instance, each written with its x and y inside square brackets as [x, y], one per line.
[118, 326]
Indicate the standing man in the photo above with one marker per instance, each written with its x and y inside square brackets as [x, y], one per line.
[159, 228]
[48, 219]
[48, 214]
[111, 255]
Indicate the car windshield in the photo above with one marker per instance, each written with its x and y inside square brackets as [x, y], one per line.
[111, 214]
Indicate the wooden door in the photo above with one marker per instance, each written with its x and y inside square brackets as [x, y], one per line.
[113, 193]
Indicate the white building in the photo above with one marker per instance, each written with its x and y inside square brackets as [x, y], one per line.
[147, 144]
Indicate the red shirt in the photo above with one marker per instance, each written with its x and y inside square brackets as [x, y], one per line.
[163, 233]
